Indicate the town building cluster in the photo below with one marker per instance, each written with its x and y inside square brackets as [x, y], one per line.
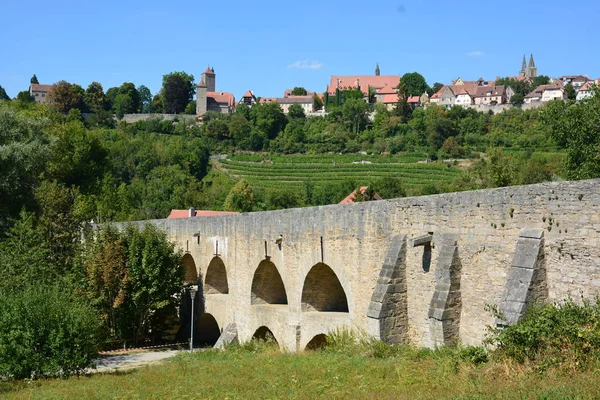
[479, 94]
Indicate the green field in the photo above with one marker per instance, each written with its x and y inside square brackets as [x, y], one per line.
[278, 172]
[371, 373]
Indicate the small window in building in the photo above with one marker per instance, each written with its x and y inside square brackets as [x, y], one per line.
[37, 94]
[43, 94]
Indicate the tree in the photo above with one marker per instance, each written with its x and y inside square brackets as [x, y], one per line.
[64, 96]
[145, 99]
[299, 91]
[240, 197]
[243, 110]
[25, 97]
[132, 276]
[295, 111]
[389, 187]
[239, 127]
[577, 128]
[355, 114]
[403, 109]
[3, 95]
[540, 80]
[317, 102]
[218, 129]
[520, 87]
[94, 97]
[129, 102]
[157, 104]
[517, 98]
[571, 92]
[46, 331]
[268, 119]
[414, 84]
[34, 80]
[177, 91]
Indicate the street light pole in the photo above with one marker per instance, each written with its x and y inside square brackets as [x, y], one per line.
[192, 296]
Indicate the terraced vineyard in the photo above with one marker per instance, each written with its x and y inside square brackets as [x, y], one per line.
[280, 172]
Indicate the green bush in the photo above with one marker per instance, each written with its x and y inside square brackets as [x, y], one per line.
[566, 334]
[45, 331]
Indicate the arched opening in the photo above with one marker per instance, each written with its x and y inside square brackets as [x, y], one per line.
[318, 342]
[216, 278]
[264, 334]
[323, 291]
[189, 268]
[267, 285]
[206, 332]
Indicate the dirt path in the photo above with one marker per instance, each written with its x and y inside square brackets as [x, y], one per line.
[127, 361]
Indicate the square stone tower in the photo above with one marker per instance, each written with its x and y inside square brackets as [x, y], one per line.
[201, 100]
[209, 78]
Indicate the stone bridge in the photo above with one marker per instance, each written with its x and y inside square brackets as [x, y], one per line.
[415, 270]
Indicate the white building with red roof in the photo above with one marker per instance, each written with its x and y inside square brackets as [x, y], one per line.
[586, 91]
[39, 92]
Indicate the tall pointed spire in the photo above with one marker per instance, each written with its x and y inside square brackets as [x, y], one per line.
[377, 72]
[531, 62]
[524, 64]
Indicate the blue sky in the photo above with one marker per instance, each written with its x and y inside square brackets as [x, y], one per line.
[269, 46]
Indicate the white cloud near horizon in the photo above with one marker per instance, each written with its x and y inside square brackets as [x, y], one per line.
[306, 64]
[475, 53]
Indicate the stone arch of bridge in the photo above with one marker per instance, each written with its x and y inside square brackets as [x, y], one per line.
[318, 342]
[322, 291]
[215, 281]
[206, 330]
[267, 285]
[190, 270]
[263, 333]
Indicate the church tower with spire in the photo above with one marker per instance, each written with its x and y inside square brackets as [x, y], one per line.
[377, 72]
[528, 70]
[523, 71]
[532, 71]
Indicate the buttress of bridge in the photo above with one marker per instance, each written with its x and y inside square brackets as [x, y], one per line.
[446, 304]
[388, 312]
[526, 278]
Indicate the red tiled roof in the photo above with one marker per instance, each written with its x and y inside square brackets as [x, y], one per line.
[485, 91]
[389, 98]
[365, 81]
[387, 90]
[248, 94]
[197, 213]
[587, 86]
[460, 90]
[221, 97]
[538, 91]
[350, 198]
[413, 99]
[36, 87]
[208, 71]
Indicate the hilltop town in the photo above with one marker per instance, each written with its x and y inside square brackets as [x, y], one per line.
[528, 89]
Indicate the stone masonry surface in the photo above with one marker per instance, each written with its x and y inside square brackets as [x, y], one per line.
[483, 231]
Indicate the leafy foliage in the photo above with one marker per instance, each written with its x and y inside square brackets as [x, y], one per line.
[131, 276]
[566, 334]
[177, 91]
[46, 331]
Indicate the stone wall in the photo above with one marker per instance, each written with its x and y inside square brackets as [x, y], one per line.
[131, 118]
[419, 270]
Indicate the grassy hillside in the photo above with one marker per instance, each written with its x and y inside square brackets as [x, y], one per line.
[291, 171]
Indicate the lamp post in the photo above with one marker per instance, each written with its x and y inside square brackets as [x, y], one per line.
[192, 296]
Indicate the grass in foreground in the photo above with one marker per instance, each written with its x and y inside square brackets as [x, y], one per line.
[365, 371]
